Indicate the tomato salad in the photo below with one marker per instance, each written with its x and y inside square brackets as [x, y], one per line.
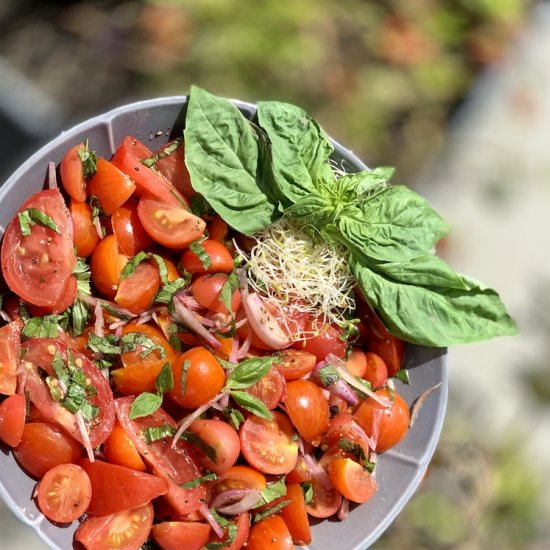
[185, 365]
[169, 401]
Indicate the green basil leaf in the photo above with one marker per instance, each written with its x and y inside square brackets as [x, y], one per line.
[88, 159]
[33, 216]
[270, 511]
[132, 340]
[167, 292]
[403, 375]
[199, 480]
[328, 375]
[165, 379]
[354, 448]
[145, 404]
[228, 288]
[163, 269]
[272, 492]
[103, 344]
[151, 161]
[201, 253]
[42, 327]
[434, 316]
[156, 433]
[395, 224]
[299, 149]
[221, 154]
[131, 266]
[234, 416]
[249, 372]
[252, 404]
[194, 439]
[183, 381]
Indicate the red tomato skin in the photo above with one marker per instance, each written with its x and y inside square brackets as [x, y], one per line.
[137, 291]
[223, 438]
[73, 482]
[44, 446]
[10, 345]
[72, 174]
[279, 453]
[179, 535]
[220, 258]
[295, 516]
[327, 339]
[270, 389]
[307, 408]
[85, 234]
[173, 168]
[270, 533]
[33, 269]
[126, 530]
[352, 480]
[117, 488]
[120, 449]
[106, 265]
[111, 186]
[243, 528]
[206, 290]
[177, 466]
[12, 419]
[128, 229]
[39, 354]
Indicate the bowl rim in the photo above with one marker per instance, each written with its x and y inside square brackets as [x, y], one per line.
[340, 150]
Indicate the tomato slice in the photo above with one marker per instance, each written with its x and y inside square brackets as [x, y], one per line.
[106, 265]
[149, 183]
[111, 186]
[120, 449]
[326, 339]
[169, 224]
[39, 353]
[85, 234]
[270, 389]
[177, 465]
[176, 535]
[220, 259]
[64, 493]
[10, 344]
[295, 364]
[128, 230]
[352, 480]
[117, 488]
[13, 411]
[173, 168]
[126, 530]
[268, 445]
[72, 173]
[137, 291]
[44, 446]
[295, 515]
[271, 533]
[37, 266]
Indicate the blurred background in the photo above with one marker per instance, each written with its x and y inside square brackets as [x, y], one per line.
[454, 93]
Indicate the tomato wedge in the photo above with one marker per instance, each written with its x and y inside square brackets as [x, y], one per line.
[39, 353]
[72, 173]
[85, 234]
[177, 465]
[111, 186]
[137, 291]
[149, 183]
[352, 480]
[177, 535]
[120, 449]
[173, 168]
[271, 533]
[12, 419]
[10, 344]
[126, 530]
[169, 224]
[295, 515]
[64, 493]
[117, 488]
[106, 265]
[37, 266]
[129, 232]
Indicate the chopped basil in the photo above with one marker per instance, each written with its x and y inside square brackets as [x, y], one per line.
[103, 344]
[152, 160]
[353, 448]
[165, 380]
[194, 439]
[131, 266]
[168, 290]
[32, 216]
[307, 489]
[251, 403]
[132, 340]
[88, 159]
[155, 433]
[79, 314]
[403, 375]
[198, 481]
[163, 269]
[248, 372]
[328, 375]
[145, 404]
[270, 511]
[231, 532]
[183, 381]
[42, 327]
[201, 253]
[272, 492]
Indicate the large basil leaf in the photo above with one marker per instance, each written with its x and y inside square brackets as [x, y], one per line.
[299, 150]
[221, 153]
[434, 315]
[394, 224]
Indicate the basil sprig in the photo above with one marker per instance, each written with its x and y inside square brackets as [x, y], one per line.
[253, 172]
[147, 403]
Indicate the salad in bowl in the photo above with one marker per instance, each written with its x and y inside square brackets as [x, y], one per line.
[219, 328]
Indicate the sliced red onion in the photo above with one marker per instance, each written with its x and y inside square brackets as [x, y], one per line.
[189, 301]
[354, 383]
[339, 388]
[362, 434]
[233, 355]
[419, 402]
[376, 421]
[211, 520]
[52, 176]
[187, 317]
[98, 227]
[317, 472]
[245, 347]
[373, 459]
[114, 307]
[5, 316]
[263, 323]
[343, 511]
[99, 326]
[235, 501]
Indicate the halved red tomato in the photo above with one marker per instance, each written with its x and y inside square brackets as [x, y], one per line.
[149, 183]
[137, 291]
[12, 419]
[126, 530]
[39, 353]
[243, 528]
[72, 173]
[117, 488]
[352, 480]
[10, 344]
[221, 260]
[169, 224]
[173, 168]
[106, 265]
[177, 465]
[270, 389]
[85, 234]
[295, 364]
[37, 266]
[268, 445]
[270, 533]
[111, 186]
[128, 230]
[322, 339]
[179, 535]
[64, 493]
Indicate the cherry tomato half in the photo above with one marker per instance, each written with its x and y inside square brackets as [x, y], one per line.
[13, 411]
[128, 230]
[177, 535]
[72, 173]
[9, 356]
[111, 186]
[221, 260]
[85, 234]
[206, 289]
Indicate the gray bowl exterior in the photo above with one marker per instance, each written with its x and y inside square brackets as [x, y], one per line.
[399, 471]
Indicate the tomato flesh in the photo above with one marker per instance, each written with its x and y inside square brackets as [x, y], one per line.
[64, 493]
[72, 173]
[10, 344]
[137, 291]
[176, 535]
[352, 480]
[270, 533]
[12, 419]
[111, 186]
[128, 230]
